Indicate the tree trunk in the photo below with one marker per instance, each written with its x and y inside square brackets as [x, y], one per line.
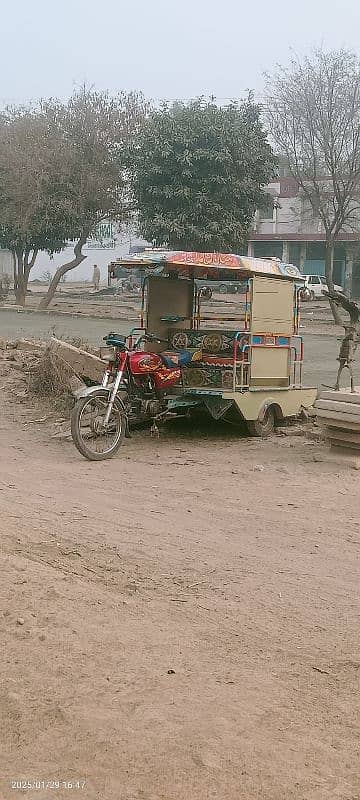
[78, 259]
[22, 267]
[329, 274]
[19, 285]
[14, 270]
[28, 265]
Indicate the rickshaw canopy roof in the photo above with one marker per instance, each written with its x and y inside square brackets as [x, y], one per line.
[224, 266]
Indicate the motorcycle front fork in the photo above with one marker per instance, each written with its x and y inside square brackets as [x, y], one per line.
[114, 391]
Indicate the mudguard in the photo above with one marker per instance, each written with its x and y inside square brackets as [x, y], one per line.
[87, 391]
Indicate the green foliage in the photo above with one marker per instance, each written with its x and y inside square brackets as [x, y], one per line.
[199, 173]
[96, 131]
[31, 202]
[62, 170]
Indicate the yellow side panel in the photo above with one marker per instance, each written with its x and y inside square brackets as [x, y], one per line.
[272, 308]
[290, 401]
[269, 363]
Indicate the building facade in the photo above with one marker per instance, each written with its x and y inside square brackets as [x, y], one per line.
[287, 229]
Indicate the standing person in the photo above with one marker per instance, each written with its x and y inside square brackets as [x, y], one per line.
[96, 277]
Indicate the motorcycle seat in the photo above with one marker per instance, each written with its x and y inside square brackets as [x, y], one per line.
[180, 358]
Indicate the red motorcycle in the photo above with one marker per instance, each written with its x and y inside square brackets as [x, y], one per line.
[134, 388]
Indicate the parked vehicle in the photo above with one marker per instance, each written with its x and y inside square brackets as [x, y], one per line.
[128, 280]
[133, 389]
[225, 287]
[245, 363]
[314, 287]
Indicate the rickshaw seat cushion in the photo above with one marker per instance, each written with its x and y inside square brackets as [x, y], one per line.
[180, 358]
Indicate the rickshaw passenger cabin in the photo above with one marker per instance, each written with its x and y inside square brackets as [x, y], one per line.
[252, 356]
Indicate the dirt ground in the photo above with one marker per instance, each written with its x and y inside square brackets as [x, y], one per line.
[179, 623]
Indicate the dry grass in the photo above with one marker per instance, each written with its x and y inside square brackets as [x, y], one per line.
[76, 341]
[51, 379]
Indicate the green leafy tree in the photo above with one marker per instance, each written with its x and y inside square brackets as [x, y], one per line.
[63, 169]
[97, 130]
[199, 173]
[33, 215]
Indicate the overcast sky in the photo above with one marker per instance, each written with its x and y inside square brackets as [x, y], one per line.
[167, 48]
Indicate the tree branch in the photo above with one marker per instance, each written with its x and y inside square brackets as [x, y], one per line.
[69, 265]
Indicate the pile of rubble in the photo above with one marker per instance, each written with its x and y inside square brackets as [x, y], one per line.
[338, 413]
[47, 375]
[45, 368]
[18, 359]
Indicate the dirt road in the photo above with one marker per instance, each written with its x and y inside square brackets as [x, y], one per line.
[179, 623]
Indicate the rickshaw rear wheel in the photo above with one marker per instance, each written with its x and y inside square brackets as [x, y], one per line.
[264, 427]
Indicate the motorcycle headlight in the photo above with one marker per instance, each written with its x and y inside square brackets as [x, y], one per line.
[107, 353]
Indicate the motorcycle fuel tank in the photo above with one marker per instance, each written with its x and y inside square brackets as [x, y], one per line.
[142, 364]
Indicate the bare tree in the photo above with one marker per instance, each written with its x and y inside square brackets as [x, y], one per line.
[313, 112]
[46, 276]
[351, 338]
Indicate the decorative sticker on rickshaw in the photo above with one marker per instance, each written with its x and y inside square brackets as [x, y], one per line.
[213, 342]
[218, 361]
[206, 259]
[208, 376]
[227, 379]
[210, 341]
[180, 340]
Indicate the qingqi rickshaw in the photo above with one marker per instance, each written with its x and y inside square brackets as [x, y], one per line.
[244, 365]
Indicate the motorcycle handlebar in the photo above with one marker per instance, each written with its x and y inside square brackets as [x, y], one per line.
[151, 337]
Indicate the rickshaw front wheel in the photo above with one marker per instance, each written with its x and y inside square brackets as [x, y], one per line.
[264, 427]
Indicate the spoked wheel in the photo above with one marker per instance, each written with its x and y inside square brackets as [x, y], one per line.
[93, 439]
[263, 427]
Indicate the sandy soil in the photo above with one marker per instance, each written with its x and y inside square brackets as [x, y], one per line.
[181, 622]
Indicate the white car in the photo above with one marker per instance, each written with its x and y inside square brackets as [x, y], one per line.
[315, 284]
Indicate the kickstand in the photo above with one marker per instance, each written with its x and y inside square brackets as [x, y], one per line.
[154, 430]
[127, 429]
